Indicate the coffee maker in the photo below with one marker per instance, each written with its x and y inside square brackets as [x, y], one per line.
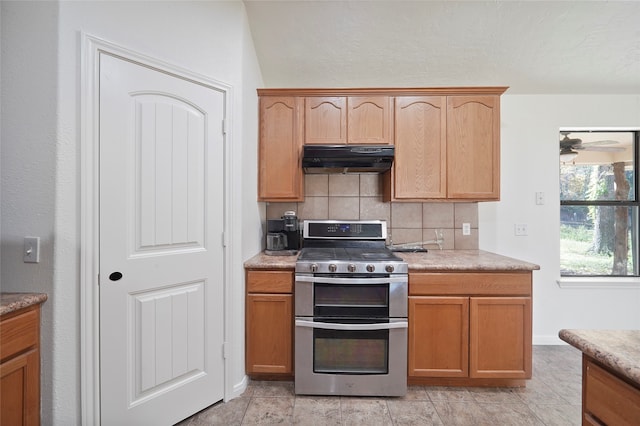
[283, 235]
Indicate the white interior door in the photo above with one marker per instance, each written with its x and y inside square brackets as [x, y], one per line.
[161, 252]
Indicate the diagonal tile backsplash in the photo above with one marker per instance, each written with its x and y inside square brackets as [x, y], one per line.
[359, 197]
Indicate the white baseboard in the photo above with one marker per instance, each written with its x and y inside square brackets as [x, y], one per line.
[238, 388]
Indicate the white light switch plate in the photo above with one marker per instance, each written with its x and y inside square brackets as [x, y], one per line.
[31, 251]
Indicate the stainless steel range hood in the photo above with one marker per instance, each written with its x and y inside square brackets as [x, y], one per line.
[347, 158]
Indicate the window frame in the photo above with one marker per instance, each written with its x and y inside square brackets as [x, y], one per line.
[622, 281]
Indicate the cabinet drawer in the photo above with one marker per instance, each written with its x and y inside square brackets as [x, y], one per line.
[608, 398]
[269, 282]
[19, 332]
[464, 283]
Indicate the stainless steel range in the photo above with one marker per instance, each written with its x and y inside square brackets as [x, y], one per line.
[351, 311]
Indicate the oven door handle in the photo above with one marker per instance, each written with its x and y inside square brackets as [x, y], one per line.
[333, 280]
[352, 327]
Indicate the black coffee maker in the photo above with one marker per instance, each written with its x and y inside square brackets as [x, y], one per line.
[283, 235]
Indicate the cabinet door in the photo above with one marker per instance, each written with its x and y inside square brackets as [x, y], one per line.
[473, 147]
[269, 334]
[607, 398]
[20, 390]
[500, 337]
[280, 145]
[438, 336]
[420, 141]
[369, 120]
[325, 120]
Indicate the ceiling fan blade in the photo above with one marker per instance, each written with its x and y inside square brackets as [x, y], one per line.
[602, 142]
[602, 148]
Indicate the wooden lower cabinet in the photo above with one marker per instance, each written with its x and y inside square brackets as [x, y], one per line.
[470, 328]
[20, 367]
[606, 398]
[438, 336]
[500, 337]
[269, 323]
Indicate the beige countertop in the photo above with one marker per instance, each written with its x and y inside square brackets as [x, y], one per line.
[434, 260]
[13, 301]
[619, 350]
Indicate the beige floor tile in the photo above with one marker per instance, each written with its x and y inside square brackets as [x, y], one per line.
[268, 388]
[495, 395]
[365, 411]
[404, 412]
[558, 415]
[511, 414]
[453, 394]
[552, 397]
[466, 413]
[269, 411]
[317, 411]
[415, 393]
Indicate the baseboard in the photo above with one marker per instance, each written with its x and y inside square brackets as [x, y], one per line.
[238, 388]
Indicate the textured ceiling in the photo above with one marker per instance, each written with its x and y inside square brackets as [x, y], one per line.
[533, 46]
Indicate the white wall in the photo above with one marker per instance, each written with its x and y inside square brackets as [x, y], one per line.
[41, 153]
[530, 163]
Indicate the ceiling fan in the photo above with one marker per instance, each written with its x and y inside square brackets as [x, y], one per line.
[569, 147]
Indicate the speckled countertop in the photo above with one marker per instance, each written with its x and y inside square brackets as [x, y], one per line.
[618, 350]
[13, 301]
[434, 260]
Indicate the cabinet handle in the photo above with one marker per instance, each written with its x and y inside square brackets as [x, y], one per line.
[115, 276]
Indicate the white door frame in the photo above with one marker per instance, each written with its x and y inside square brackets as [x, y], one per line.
[89, 209]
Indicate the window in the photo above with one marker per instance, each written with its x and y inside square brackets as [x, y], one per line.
[599, 203]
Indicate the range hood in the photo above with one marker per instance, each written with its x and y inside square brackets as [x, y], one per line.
[347, 158]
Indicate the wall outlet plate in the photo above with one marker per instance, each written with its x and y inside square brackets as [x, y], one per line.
[466, 229]
[521, 229]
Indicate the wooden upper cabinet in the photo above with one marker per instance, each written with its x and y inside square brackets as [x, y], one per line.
[369, 120]
[280, 175]
[325, 120]
[420, 141]
[337, 120]
[473, 147]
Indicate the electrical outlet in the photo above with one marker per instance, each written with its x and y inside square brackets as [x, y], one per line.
[31, 251]
[466, 229]
[521, 229]
[539, 198]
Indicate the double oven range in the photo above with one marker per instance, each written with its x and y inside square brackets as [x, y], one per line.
[350, 311]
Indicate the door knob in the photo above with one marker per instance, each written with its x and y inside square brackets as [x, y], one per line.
[115, 276]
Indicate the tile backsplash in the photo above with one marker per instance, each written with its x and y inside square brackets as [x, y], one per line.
[359, 197]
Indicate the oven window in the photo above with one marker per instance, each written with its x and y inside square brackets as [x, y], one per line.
[362, 300]
[351, 352]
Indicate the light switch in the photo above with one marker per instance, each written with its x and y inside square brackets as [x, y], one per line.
[31, 252]
[539, 198]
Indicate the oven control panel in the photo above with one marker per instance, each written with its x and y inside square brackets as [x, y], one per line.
[336, 230]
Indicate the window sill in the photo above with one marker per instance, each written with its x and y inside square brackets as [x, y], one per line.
[599, 282]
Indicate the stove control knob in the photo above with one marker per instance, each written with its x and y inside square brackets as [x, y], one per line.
[370, 268]
[389, 268]
[332, 267]
[314, 267]
[351, 267]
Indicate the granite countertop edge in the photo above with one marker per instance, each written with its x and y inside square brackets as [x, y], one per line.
[11, 302]
[618, 350]
[434, 260]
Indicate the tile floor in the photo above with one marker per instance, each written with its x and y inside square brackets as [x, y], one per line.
[552, 397]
